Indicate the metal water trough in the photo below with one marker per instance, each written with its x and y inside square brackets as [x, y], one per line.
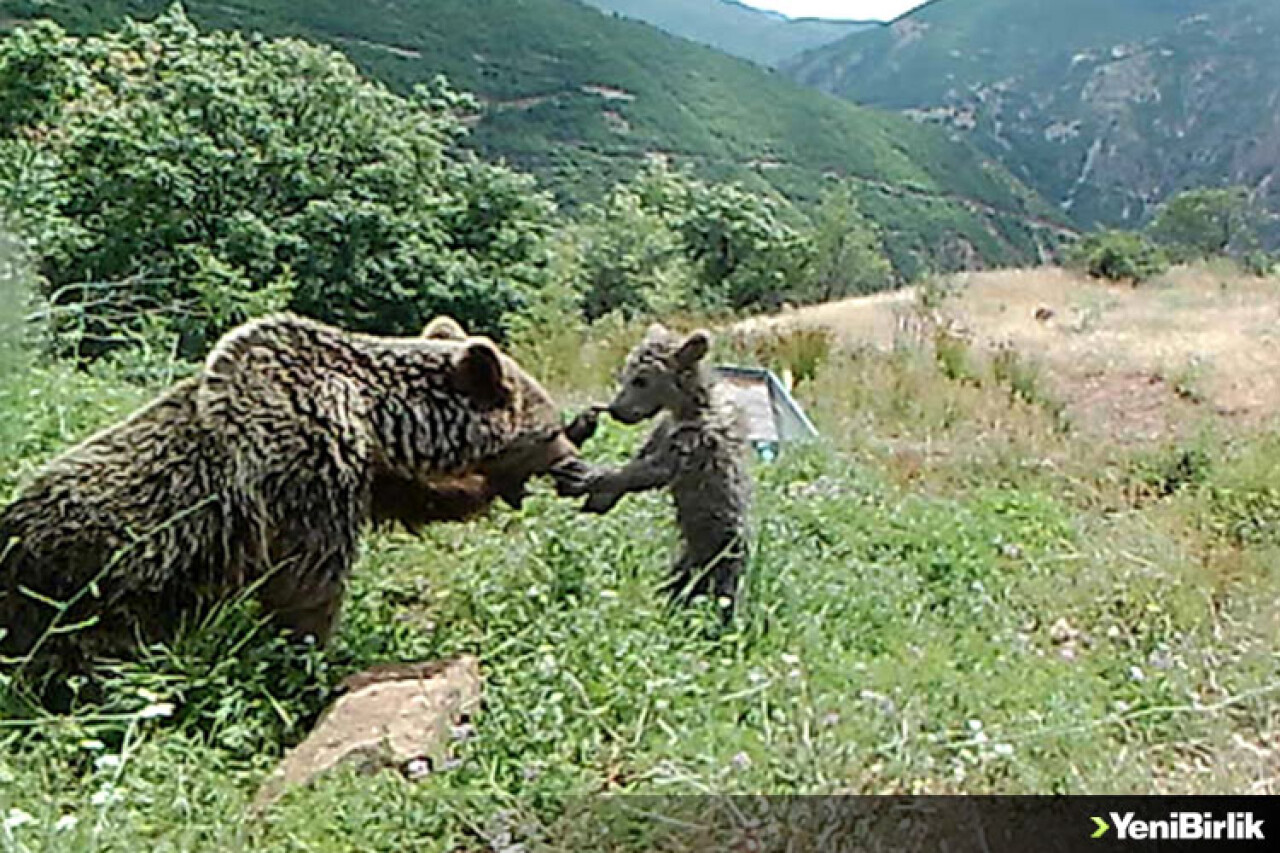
[772, 415]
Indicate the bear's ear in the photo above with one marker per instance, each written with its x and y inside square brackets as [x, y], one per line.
[693, 349]
[478, 373]
[444, 328]
[656, 332]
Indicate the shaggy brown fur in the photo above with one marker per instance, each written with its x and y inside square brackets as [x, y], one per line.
[697, 449]
[415, 503]
[260, 471]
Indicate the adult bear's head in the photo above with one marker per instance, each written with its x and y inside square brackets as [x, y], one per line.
[505, 403]
[444, 406]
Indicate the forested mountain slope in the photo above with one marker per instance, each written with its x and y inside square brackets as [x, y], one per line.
[1105, 107]
[761, 36]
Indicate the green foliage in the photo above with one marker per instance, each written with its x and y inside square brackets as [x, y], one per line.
[633, 261]
[1240, 502]
[1205, 223]
[1021, 376]
[1124, 256]
[579, 99]
[33, 77]
[1168, 470]
[231, 681]
[1259, 263]
[194, 180]
[848, 258]
[14, 303]
[744, 250]
[797, 352]
[666, 241]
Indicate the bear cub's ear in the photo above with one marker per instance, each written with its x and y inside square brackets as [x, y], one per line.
[478, 373]
[693, 349]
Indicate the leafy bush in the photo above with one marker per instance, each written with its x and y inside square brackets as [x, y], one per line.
[198, 179]
[848, 258]
[1259, 263]
[1205, 223]
[1118, 256]
[795, 351]
[744, 251]
[632, 260]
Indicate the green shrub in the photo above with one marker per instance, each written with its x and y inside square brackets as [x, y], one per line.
[1205, 223]
[847, 257]
[1122, 256]
[190, 180]
[1259, 263]
[799, 351]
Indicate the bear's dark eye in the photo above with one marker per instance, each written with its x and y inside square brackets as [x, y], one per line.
[640, 383]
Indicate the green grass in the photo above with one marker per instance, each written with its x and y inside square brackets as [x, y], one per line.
[950, 593]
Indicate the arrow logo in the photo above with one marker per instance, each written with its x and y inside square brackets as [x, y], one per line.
[1102, 828]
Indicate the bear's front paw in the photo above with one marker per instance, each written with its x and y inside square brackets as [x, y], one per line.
[602, 501]
[572, 478]
[584, 426]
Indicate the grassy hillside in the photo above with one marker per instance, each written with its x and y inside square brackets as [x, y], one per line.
[1106, 108]
[956, 591]
[739, 30]
[580, 98]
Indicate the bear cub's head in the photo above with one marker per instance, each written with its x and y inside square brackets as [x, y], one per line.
[661, 372]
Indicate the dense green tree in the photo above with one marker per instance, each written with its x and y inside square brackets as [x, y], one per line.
[1124, 256]
[631, 259]
[202, 178]
[1206, 223]
[847, 258]
[744, 250]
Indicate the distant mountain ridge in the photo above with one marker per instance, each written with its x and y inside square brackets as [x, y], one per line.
[1105, 107]
[582, 99]
[760, 35]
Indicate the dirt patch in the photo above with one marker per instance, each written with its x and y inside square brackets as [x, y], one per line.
[871, 321]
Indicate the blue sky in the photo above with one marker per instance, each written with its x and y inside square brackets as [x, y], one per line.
[858, 10]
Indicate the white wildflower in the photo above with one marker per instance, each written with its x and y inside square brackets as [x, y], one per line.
[104, 796]
[156, 710]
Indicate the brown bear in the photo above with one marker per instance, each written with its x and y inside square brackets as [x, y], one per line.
[259, 473]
